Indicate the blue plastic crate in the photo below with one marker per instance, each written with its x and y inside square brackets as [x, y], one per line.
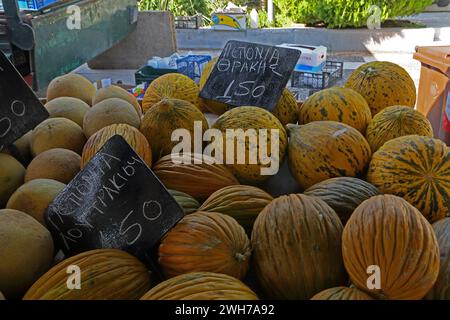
[34, 4]
[193, 65]
[301, 67]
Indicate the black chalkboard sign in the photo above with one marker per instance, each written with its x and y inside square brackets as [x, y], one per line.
[250, 74]
[20, 109]
[116, 201]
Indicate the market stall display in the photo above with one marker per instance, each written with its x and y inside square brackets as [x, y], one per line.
[153, 203]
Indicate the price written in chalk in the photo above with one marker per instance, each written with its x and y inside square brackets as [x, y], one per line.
[20, 109]
[250, 74]
[115, 202]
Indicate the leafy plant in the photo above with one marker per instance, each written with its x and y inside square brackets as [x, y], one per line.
[333, 13]
[177, 7]
[347, 13]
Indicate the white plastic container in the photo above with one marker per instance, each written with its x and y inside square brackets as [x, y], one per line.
[312, 56]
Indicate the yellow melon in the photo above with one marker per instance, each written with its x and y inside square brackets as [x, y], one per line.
[67, 107]
[394, 122]
[57, 133]
[174, 86]
[71, 85]
[57, 164]
[285, 110]
[107, 112]
[116, 92]
[164, 118]
[131, 135]
[35, 196]
[12, 174]
[254, 140]
[211, 105]
[26, 251]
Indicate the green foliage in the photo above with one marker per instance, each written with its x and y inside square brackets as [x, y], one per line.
[280, 20]
[334, 13]
[347, 13]
[178, 7]
[193, 7]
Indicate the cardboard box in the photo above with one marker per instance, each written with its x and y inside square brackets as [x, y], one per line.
[229, 21]
[312, 57]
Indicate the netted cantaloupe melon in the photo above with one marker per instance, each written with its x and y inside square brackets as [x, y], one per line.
[394, 122]
[117, 92]
[163, 118]
[132, 135]
[12, 173]
[26, 251]
[252, 126]
[35, 196]
[67, 107]
[57, 133]
[172, 86]
[57, 164]
[71, 85]
[336, 104]
[107, 112]
[383, 84]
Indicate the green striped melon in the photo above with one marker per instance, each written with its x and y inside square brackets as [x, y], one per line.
[394, 122]
[343, 194]
[188, 203]
[336, 104]
[322, 150]
[416, 168]
[383, 84]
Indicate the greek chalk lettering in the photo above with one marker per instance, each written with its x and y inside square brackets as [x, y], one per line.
[152, 210]
[125, 169]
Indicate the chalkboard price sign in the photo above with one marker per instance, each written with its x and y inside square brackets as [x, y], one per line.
[116, 201]
[20, 109]
[250, 74]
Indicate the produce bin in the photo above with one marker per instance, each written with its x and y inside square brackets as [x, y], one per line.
[35, 4]
[148, 74]
[434, 88]
[193, 65]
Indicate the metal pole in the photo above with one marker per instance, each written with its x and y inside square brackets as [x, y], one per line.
[270, 10]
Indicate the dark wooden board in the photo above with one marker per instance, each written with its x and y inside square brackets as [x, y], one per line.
[250, 74]
[20, 109]
[116, 201]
